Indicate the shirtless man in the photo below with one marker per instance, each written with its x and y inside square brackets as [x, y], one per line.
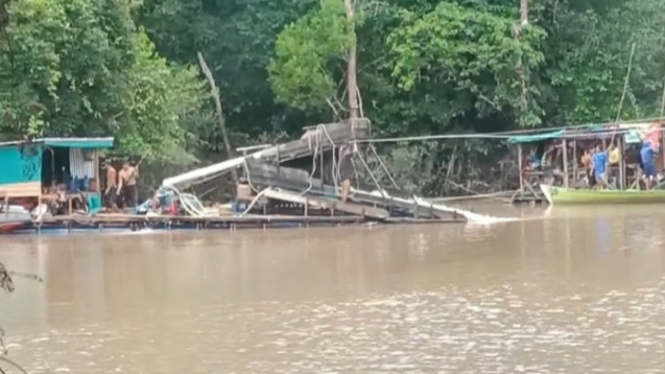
[110, 193]
[128, 189]
[346, 170]
[587, 161]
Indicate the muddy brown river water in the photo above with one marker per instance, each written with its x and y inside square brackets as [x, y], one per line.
[568, 291]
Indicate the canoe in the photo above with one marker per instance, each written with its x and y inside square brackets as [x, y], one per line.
[570, 196]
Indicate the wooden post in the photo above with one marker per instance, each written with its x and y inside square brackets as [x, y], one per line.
[98, 178]
[662, 149]
[7, 205]
[622, 165]
[243, 172]
[351, 83]
[575, 162]
[520, 166]
[566, 181]
[279, 162]
[321, 160]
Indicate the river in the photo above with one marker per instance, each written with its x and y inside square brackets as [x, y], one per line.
[566, 291]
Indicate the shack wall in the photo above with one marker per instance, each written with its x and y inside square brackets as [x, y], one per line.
[21, 170]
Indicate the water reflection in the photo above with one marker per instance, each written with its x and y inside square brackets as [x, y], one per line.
[573, 291]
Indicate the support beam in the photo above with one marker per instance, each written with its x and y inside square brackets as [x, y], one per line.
[520, 165]
[622, 164]
[566, 181]
[575, 163]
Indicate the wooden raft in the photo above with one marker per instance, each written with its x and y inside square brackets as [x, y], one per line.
[322, 203]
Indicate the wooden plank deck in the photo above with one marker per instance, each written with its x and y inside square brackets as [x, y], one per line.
[267, 175]
[322, 203]
[134, 218]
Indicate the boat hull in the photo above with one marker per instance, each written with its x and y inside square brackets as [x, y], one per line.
[570, 196]
[11, 226]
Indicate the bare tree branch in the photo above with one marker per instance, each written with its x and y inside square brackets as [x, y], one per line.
[351, 75]
[7, 284]
[330, 104]
[14, 364]
[214, 90]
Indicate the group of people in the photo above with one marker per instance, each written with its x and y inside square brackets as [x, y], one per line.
[597, 161]
[121, 186]
[600, 160]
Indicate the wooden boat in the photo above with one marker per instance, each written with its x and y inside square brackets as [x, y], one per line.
[572, 196]
[11, 226]
[16, 218]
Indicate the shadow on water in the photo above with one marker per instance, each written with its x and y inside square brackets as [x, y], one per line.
[570, 290]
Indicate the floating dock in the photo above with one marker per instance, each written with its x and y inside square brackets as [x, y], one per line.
[127, 222]
[285, 185]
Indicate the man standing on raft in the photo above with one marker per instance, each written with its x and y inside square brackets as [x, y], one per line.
[127, 187]
[346, 169]
[650, 145]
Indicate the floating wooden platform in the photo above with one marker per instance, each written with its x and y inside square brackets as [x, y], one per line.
[267, 175]
[131, 222]
[327, 204]
[127, 222]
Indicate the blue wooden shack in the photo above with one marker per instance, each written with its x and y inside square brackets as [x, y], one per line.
[34, 168]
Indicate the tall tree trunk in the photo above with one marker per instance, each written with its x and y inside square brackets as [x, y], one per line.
[524, 12]
[351, 83]
[524, 74]
[214, 90]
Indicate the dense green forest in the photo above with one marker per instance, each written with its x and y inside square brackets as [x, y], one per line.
[128, 68]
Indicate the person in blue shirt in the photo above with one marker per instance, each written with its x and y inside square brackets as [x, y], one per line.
[600, 165]
[648, 158]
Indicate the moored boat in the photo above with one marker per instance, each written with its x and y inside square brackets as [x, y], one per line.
[571, 196]
[13, 217]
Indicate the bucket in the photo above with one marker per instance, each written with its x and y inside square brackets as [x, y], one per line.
[94, 203]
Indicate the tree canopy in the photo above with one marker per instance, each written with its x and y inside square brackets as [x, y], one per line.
[128, 68]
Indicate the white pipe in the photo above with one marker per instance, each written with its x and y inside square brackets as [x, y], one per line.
[203, 172]
[218, 168]
[227, 165]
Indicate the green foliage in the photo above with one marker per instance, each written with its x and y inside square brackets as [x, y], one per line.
[588, 55]
[238, 41]
[160, 102]
[298, 74]
[81, 68]
[466, 54]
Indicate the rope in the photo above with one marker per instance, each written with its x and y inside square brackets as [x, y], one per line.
[434, 137]
[335, 166]
[253, 202]
[369, 171]
[385, 168]
[509, 134]
[189, 203]
[316, 152]
[625, 83]
[496, 136]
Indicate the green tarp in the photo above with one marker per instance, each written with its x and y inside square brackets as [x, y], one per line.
[536, 137]
[633, 137]
[94, 143]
